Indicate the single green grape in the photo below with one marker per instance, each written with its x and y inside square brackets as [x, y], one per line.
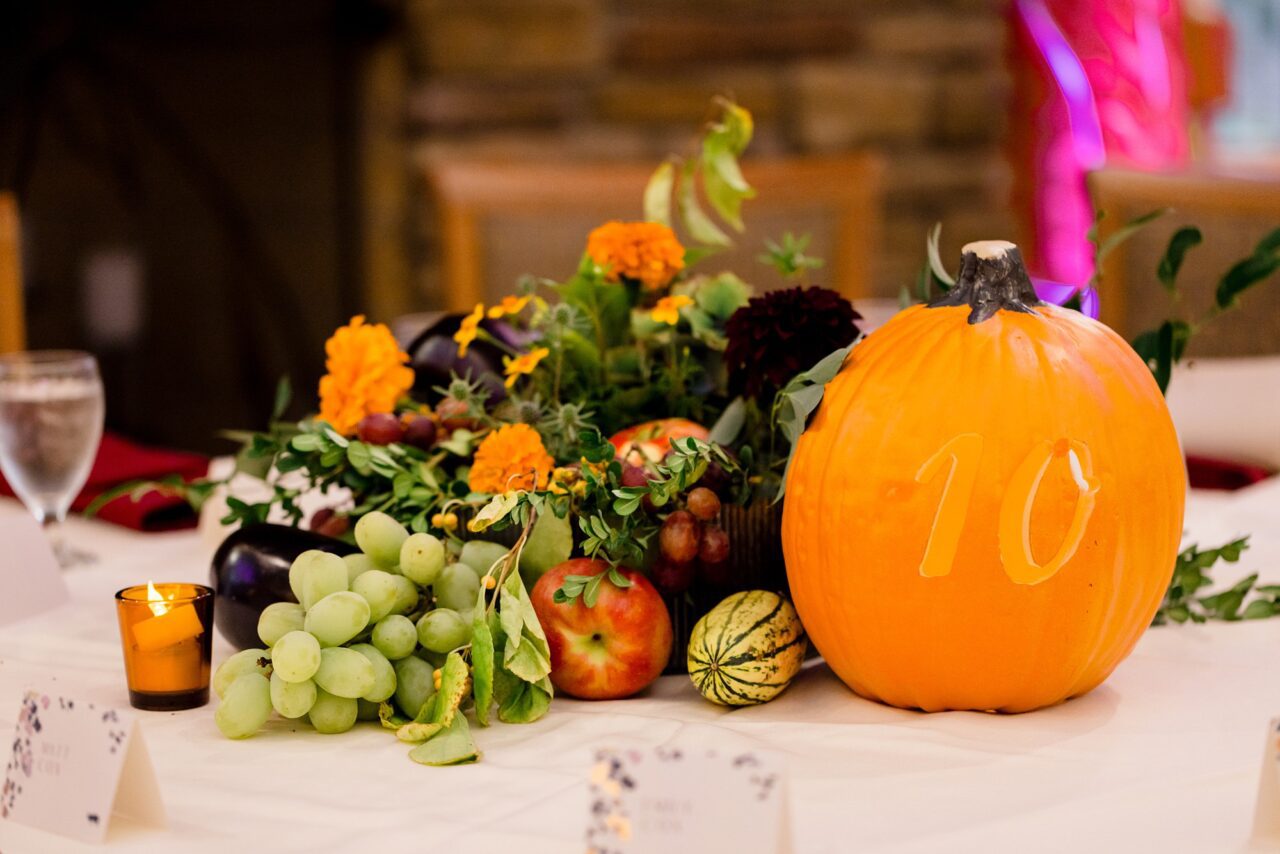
[357, 565]
[442, 630]
[395, 636]
[278, 619]
[244, 661]
[338, 617]
[332, 714]
[415, 684]
[407, 595]
[380, 590]
[314, 575]
[345, 672]
[457, 587]
[292, 699]
[481, 555]
[384, 676]
[296, 656]
[245, 706]
[421, 558]
[367, 711]
[380, 537]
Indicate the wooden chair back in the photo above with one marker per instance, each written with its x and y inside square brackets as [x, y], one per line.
[13, 334]
[1233, 212]
[499, 219]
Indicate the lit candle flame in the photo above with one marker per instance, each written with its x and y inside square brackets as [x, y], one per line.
[157, 603]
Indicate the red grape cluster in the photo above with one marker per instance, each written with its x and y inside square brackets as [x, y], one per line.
[691, 543]
[384, 428]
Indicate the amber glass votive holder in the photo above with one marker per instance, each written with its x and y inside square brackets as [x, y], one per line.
[166, 632]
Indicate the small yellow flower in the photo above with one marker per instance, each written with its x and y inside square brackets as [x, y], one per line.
[523, 364]
[509, 306]
[668, 309]
[469, 329]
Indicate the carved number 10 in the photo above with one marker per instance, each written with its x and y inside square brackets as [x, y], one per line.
[961, 457]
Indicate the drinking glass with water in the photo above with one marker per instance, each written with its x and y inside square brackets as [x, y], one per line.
[51, 411]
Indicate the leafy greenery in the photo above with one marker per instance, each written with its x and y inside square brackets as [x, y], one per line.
[1183, 601]
[715, 168]
[1166, 345]
[789, 257]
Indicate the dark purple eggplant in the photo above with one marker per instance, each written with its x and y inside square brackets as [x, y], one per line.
[434, 357]
[251, 571]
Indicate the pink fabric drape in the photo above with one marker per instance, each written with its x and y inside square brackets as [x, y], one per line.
[1096, 82]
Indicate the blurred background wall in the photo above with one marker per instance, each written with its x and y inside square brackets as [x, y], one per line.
[208, 188]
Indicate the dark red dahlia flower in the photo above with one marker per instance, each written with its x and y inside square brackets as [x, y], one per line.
[781, 333]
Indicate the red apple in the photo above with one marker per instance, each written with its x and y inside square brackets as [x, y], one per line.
[612, 649]
[651, 440]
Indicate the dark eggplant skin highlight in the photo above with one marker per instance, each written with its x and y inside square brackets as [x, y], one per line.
[251, 571]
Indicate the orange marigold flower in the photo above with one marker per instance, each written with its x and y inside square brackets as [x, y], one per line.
[469, 329]
[523, 364]
[511, 457]
[647, 252]
[668, 309]
[509, 306]
[367, 373]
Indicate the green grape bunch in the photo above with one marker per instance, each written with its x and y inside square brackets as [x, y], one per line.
[387, 635]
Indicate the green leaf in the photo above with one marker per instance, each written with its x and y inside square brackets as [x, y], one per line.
[604, 304]
[481, 666]
[657, 194]
[1124, 232]
[935, 256]
[550, 543]
[722, 178]
[455, 682]
[1183, 240]
[722, 295]
[452, 746]
[730, 423]
[528, 663]
[498, 508]
[1260, 609]
[591, 592]
[306, 442]
[1244, 275]
[698, 224]
[359, 456]
[414, 732]
[1164, 355]
[284, 393]
[526, 704]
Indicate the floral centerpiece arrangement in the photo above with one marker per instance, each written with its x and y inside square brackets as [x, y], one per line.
[577, 487]
[557, 478]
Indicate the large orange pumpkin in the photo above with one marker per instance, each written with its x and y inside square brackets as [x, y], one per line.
[986, 509]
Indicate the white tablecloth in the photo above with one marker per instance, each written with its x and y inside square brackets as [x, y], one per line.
[1165, 756]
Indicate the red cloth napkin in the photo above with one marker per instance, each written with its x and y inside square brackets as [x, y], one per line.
[120, 461]
[1207, 473]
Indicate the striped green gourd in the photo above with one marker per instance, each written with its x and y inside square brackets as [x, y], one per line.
[747, 649]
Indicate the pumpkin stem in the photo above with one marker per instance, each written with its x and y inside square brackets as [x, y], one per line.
[992, 277]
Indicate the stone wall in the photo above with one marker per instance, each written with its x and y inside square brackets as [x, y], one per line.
[921, 82]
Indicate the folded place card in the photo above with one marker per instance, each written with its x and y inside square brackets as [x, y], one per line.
[73, 765]
[1266, 817]
[32, 581]
[668, 800]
